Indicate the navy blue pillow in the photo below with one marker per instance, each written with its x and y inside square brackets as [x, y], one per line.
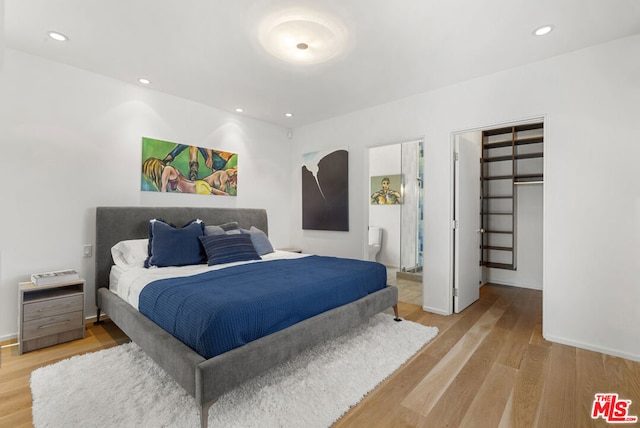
[228, 248]
[169, 246]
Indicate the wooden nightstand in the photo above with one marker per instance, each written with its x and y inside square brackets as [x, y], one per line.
[50, 314]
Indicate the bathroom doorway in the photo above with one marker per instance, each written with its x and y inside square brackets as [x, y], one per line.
[395, 182]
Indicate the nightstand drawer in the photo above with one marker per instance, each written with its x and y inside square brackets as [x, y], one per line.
[52, 325]
[49, 308]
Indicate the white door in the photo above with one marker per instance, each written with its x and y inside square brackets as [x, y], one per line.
[467, 269]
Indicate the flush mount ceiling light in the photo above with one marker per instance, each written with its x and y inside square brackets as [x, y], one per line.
[288, 114]
[302, 36]
[544, 30]
[144, 81]
[58, 36]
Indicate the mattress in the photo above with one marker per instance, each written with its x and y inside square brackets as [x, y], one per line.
[218, 310]
[127, 283]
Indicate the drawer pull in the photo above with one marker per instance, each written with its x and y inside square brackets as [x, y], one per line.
[54, 324]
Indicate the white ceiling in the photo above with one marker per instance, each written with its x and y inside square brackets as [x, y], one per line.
[207, 50]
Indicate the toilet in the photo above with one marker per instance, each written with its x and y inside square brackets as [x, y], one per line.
[375, 242]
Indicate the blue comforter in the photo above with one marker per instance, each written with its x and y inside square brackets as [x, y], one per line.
[219, 310]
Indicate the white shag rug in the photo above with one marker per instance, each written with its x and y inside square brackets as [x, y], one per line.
[122, 387]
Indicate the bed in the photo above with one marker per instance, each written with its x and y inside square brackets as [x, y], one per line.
[208, 378]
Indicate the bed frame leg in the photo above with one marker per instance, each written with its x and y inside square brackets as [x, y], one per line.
[204, 414]
[97, 321]
[395, 311]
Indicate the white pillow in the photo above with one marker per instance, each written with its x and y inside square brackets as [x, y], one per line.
[131, 253]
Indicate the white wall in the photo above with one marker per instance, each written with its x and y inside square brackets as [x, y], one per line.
[71, 141]
[386, 160]
[589, 99]
[2, 42]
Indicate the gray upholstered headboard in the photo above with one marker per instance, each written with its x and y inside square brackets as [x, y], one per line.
[115, 224]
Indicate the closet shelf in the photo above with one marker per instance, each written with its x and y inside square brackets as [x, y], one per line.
[509, 143]
[523, 178]
[498, 158]
[497, 248]
[529, 155]
[499, 179]
[513, 129]
[515, 178]
[512, 157]
[499, 265]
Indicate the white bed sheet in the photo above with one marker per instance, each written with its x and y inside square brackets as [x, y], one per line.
[128, 283]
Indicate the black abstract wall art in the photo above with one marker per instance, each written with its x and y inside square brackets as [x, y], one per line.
[325, 190]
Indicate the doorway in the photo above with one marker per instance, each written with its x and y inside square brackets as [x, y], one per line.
[395, 206]
[471, 207]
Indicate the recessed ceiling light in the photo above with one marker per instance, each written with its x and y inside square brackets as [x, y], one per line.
[144, 81]
[239, 110]
[544, 30]
[58, 36]
[303, 36]
[288, 114]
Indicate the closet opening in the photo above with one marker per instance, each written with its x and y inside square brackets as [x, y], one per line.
[503, 243]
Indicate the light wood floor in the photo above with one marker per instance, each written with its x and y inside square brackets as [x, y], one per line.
[408, 291]
[488, 367]
[15, 369]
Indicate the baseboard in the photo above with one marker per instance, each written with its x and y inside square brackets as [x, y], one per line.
[435, 311]
[594, 348]
[510, 284]
[8, 337]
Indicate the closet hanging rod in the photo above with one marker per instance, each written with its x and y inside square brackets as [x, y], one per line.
[528, 182]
